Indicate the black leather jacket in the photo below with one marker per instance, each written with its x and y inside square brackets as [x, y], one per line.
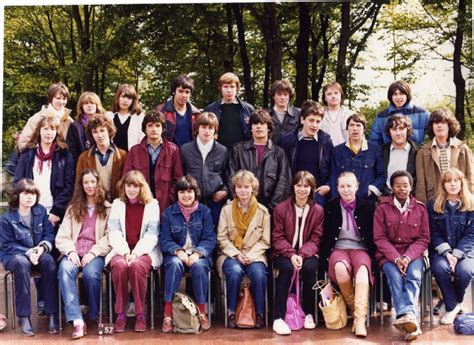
[273, 173]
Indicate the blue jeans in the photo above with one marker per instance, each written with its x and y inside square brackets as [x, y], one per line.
[453, 291]
[21, 267]
[174, 269]
[234, 271]
[405, 289]
[91, 274]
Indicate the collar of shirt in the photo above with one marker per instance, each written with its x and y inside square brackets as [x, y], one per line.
[235, 101]
[109, 150]
[204, 147]
[399, 206]
[151, 147]
[301, 136]
[278, 111]
[364, 147]
[435, 143]
[405, 148]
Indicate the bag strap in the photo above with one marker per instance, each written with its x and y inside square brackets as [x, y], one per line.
[296, 276]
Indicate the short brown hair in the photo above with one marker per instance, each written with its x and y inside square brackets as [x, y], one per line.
[206, 119]
[188, 183]
[443, 115]
[23, 185]
[229, 78]
[401, 86]
[99, 120]
[332, 85]
[129, 91]
[357, 117]
[310, 107]
[261, 116]
[305, 177]
[58, 88]
[399, 120]
[154, 116]
[283, 85]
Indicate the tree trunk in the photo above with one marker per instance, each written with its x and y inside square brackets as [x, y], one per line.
[317, 83]
[83, 31]
[266, 80]
[341, 72]
[250, 96]
[302, 47]
[229, 59]
[459, 81]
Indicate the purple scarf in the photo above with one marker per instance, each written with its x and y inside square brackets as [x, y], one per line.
[188, 211]
[42, 157]
[349, 208]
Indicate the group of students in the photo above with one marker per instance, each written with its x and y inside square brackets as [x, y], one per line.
[241, 189]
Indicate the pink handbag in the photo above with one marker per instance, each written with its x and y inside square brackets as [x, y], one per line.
[294, 316]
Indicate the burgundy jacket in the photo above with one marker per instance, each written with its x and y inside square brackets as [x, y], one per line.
[284, 221]
[168, 169]
[396, 235]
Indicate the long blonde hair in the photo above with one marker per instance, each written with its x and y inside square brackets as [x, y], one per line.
[52, 121]
[467, 199]
[136, 178]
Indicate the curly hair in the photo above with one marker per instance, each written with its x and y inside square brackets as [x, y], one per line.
[99, 120]
[443, 115]
[399, 120]
[78, 204]
[283, 85]
[245, 176]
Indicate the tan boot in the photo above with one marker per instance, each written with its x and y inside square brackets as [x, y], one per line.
[360, 313]
[347, 291]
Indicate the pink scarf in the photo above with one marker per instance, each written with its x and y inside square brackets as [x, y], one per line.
[349, 207]
[188, 211]
[42, 157]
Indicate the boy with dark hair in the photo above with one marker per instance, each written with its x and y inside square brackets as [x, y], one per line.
[179, 112]
[310, 148]
[399, 96]
[157, 159]
[232, 112]
[267, 161]
[285, 116]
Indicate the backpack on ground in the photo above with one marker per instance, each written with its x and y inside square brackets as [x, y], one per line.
[464, 324]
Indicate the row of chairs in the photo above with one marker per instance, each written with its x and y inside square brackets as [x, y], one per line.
[156, 275]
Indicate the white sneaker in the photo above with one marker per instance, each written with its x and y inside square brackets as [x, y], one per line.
[384, 306]
[131, 310]
[280, 327]
[409, 336]
[448, 317]
[464, 309]
[309, 322]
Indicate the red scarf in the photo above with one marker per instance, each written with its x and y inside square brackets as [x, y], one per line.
[42, 157]
[188, 211]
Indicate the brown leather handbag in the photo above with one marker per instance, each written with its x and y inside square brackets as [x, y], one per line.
[245, 316]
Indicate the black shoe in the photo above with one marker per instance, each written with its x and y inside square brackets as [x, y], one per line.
[438, 307]
[53, 326]
[231, 321]
[260, 323]
[25, 326]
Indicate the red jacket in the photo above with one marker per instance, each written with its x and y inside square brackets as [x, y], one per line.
[284, 221]
[167, 171]
[397, 235]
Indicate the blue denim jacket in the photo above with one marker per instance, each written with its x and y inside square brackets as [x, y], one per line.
[367, 165]
[451, 230]
[173, 230]
[16, 238]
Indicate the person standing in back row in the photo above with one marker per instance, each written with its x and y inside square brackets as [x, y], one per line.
[232, 112]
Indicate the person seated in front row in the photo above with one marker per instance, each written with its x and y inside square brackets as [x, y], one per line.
[297, 232]
[26, 240]
[348, 247]
[401, 235]
[133, 234]
[82, 240]
[187, 240]
[451, 215]
[243, 236]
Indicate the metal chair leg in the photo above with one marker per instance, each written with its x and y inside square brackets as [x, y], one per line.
[381, 296]
[209, 297]
[225, 301]
[152, 304]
